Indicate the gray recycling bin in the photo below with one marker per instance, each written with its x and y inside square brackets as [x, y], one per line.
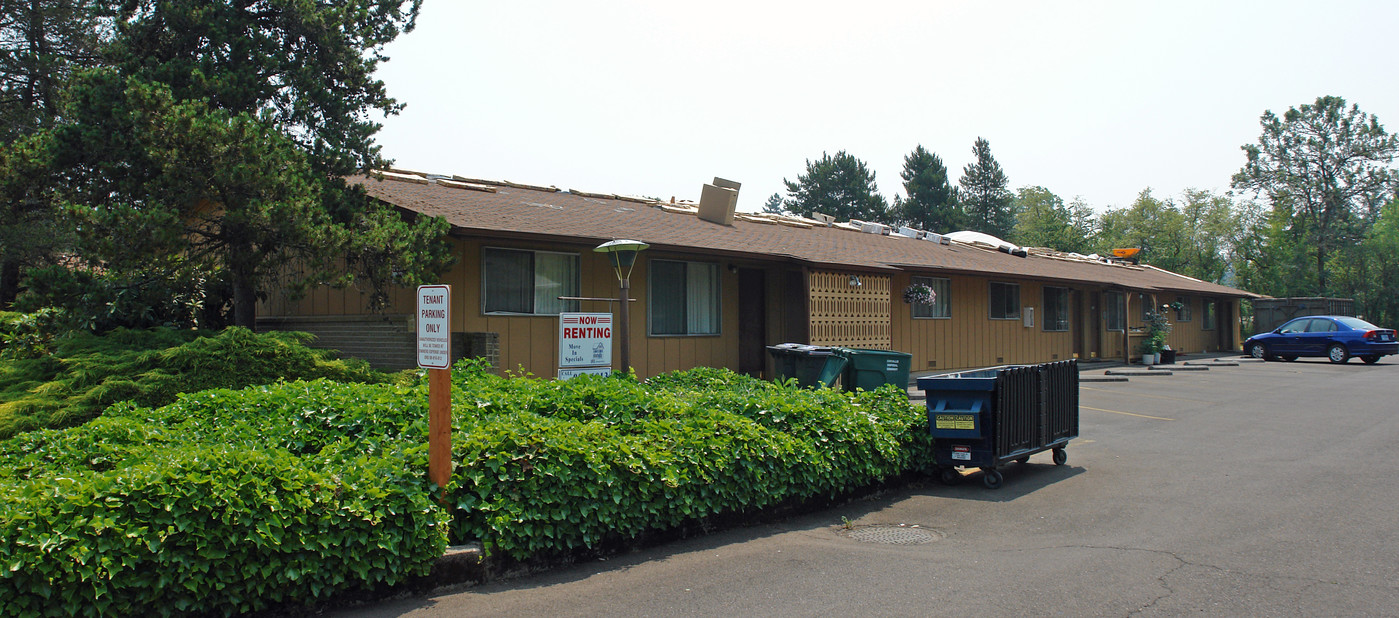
[811, 365]
[991, 417]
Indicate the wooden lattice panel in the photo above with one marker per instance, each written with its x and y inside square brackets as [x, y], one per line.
[847, 315]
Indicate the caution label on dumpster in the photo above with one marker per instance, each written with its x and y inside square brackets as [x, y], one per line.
[955, 421]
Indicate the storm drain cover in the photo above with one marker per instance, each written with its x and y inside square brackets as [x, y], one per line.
[891, 535]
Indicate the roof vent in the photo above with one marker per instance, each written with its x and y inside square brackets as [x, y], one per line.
[719, 201]
[824, 218]
[870, 227]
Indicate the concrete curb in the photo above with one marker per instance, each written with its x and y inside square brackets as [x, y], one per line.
[1137, 372]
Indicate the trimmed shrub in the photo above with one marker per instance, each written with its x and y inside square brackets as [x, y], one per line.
[212, 529]
[86, 373]
[229, 501]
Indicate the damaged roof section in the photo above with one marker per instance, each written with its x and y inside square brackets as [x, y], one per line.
[495, 209]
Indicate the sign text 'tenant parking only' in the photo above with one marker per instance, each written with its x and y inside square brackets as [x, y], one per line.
[434, 320]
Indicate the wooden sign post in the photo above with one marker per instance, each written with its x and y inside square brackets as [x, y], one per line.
[434, 319]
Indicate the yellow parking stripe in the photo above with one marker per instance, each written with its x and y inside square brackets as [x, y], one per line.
[1089, 388]
[1154, 418]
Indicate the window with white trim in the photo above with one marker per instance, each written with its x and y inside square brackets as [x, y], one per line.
[1005, 301]
[515, 281]
[683, 298]
[941, 306]
[1056, 309]
[1114, 311]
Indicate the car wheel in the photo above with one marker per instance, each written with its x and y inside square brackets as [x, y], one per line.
[1337, 353]
[1257, 350]
[1371, 359]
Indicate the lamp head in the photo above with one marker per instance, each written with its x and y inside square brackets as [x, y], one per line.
[622, 254]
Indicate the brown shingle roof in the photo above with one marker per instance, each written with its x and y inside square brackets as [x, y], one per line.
[522, 211]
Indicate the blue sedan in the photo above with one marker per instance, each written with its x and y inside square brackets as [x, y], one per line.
[1336, 337]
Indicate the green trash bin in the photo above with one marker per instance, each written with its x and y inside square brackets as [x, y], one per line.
[811, 365]
[871, 369]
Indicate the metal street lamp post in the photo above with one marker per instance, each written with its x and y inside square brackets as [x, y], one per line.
[622, 254]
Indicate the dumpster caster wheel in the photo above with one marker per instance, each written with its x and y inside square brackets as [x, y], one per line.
[950, 476]
[1023, 460]
[992, 479]
[1060, 457]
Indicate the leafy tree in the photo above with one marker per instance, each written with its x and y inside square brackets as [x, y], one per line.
[932, 200]
[1153, 225]
[1325, 169]
[840, 186]
[774, 204]
[1369, 272]
[984, 196]
[41, 44]
[1043, 220]
[1213, 232]
[216, 144]
[1269, 258]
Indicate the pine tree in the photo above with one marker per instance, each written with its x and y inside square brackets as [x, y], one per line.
[932, 200]
[985, 198]
[216, 141]
[840, 186]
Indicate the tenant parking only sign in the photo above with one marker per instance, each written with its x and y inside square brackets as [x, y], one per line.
[585, 344]
[434, 326]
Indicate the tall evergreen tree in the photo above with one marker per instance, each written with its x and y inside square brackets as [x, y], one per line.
[840, 186]
[1325, 167]
[985, 196]
[41, 45]
[932, 200]
[218, 140]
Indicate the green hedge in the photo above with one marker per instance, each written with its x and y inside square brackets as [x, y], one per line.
[548, 466]
[229, 501]
[85, 373]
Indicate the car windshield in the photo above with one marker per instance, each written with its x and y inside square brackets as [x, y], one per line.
[1357, 324]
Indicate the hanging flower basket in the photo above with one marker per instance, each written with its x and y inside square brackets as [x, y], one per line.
[919, 294]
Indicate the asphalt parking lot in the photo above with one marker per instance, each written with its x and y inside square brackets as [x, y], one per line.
[1258, 489]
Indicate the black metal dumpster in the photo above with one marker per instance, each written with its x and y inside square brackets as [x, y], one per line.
[871, 369]
[811, 365]
[991, 417]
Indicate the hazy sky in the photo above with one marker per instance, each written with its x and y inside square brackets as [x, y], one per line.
[1091, 99]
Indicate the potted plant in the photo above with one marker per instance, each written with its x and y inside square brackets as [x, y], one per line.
[1158, 326]
[919, 294]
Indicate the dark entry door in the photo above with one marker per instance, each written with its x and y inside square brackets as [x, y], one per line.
[1095, 325]
[1077, 325]
[752, 321]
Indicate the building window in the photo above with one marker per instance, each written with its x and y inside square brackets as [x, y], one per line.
[528, 282]
[1005, 301]
[1056, 309]
[942, 298]
[1207, 314]
[1114, 311]
[684, 298]
[1145, 301]
[1182, 308]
